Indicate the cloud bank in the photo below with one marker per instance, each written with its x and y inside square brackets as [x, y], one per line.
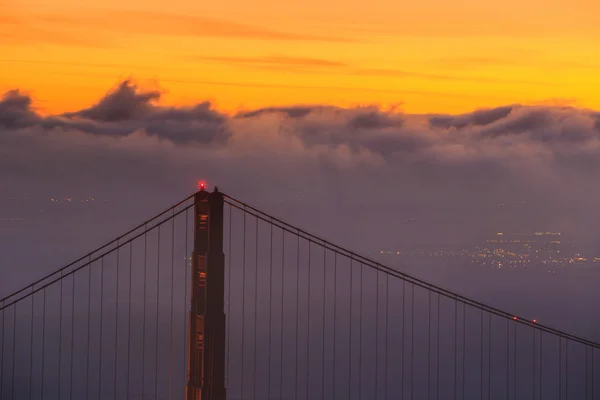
[449, 172]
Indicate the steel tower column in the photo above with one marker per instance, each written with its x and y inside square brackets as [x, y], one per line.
[206, 365]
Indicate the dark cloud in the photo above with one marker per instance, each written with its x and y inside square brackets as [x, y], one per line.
[455, 164]
[478, 117]
[123, 111]
[292, 112]
[15, 110]
[124, 103]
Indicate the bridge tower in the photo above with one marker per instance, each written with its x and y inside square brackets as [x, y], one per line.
[206, 360]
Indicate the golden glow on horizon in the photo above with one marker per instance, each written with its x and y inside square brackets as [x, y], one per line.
[434, 56]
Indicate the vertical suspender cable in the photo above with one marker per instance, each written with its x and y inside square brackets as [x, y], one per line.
[412, 344]
[144, 310]
[171, 307]
[297, 312]
[72, 337]
[101, 327]
[464, 349]
[402, 340]
[116, 324]
[334, 320]
[350, 312]
[308, 323]
[30, 346]
[255, 310]
[14, 352]
[129, 322]
[43, 341]
[185, 296]
[281, 316]
[455, 349]
[60, 338]
[243, 303]
[481, 355]
[157, 313]
[376, 336]
[229, 274]
[89, 326]
[489, 356]
[323, 324]
[387, 309]
[270, 307]
[429, 344]
[360, 326]
[437, 375]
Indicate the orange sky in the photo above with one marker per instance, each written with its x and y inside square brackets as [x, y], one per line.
[428, 56]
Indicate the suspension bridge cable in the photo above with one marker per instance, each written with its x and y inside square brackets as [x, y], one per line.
[376, 265]
[144, 224]
[123, 243]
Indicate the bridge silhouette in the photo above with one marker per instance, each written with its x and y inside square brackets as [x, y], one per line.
[214, 299]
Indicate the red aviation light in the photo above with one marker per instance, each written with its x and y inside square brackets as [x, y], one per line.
[201, 185]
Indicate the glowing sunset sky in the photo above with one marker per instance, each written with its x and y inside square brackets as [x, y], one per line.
[428, 56]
